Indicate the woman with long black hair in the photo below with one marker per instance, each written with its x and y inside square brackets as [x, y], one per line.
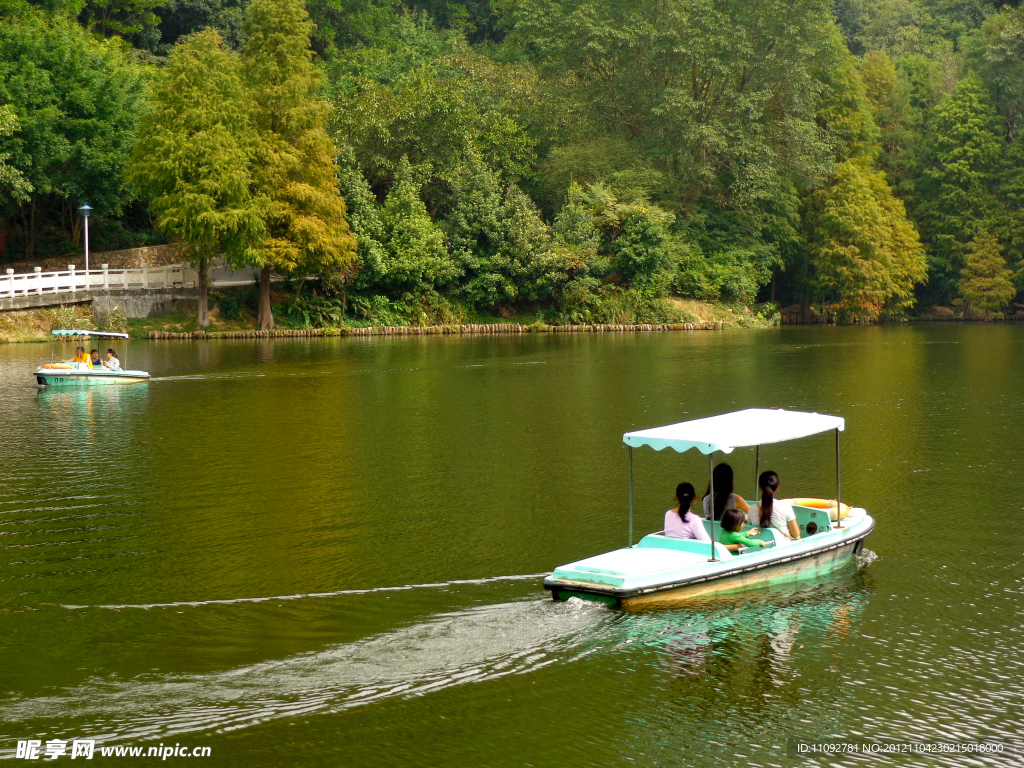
[681, 523]
[724, 496]
[774, 512]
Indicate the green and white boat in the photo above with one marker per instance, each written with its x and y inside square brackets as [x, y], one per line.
[63, 374]
[660, 570]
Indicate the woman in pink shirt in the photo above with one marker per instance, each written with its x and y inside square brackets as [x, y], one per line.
[681, 523]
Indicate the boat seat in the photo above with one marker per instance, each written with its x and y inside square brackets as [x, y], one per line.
[660, 541]
[714, 530]
[819, 517]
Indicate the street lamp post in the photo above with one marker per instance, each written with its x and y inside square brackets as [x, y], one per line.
[85, 209]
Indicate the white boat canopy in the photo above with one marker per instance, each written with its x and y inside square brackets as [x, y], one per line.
[753, 426]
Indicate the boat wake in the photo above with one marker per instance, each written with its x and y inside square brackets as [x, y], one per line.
[474, 645]
[307, 595]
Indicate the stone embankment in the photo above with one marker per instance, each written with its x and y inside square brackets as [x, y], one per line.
[483, 329]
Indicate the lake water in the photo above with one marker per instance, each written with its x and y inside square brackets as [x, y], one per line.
[330, 552]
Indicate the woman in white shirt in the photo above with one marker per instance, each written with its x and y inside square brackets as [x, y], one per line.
[773, 512]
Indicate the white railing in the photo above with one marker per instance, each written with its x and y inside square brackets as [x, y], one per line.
[73, 280]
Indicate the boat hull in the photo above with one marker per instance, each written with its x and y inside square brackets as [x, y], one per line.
[800, 566]
[58, 377]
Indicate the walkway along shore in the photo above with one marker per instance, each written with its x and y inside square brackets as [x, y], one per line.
[483, 329]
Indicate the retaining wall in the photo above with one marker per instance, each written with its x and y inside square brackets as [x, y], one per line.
[484, 329]
[151, 303]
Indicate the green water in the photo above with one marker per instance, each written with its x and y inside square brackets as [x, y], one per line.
[305, 552]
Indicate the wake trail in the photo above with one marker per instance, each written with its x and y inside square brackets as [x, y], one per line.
[305, 595]
[467, 646]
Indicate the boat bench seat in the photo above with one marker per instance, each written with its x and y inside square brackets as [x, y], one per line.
[805, 515]
[714, 530]
[660, 541]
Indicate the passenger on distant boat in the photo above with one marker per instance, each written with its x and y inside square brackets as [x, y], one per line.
[112, 363]
[733, 536]
[681, 523]
[724, 497]
[80, 356]
[771, 512]
[94, 359]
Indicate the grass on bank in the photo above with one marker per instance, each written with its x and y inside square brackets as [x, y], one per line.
[235, 310]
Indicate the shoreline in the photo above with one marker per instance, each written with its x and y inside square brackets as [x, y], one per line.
[473, 329]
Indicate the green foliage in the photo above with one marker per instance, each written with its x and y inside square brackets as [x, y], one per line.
[986, 279]
[719, 95]
[14, 187]
[961, 156]
[76, 99]
[195, 150]
[295, 163]
[865, 253]
[116, 321]
[316, 311]
[414, 256]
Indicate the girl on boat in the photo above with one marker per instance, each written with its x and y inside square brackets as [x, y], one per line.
[733, 535]
[724, 497]
[680, 522]
[773, 512]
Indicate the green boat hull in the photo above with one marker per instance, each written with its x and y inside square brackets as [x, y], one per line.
[71, 378]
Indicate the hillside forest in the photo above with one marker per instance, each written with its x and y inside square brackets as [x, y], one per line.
[584, 160]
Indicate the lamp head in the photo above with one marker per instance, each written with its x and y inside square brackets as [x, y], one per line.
[85, 209]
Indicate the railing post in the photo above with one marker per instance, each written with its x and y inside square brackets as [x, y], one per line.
[145, 275]
[71, 273]
[106, 276]
[10, 282]
[39, 280]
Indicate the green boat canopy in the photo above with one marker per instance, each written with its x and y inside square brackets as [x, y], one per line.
[753, 426]
[95, 334]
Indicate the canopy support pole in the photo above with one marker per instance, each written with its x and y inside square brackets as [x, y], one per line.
[711, 503]
[757, 472]
[631, 496]
[839, 508]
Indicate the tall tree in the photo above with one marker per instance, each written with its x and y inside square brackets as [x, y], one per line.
[297, 168]
[865, 254]
[194, 155]
[961, 158]
[986, 281]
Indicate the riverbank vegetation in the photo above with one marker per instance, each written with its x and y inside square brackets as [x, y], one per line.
[578, 162]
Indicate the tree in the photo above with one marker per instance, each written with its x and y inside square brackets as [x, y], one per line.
[77, 99]
[415, 258]
[296, 161]
[986, 279]
[865, 254]
[718, 94]
[960, 160]
[194, 156]
[13, 185]
[996, 54]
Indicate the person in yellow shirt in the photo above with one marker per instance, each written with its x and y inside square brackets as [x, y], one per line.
[81, 356]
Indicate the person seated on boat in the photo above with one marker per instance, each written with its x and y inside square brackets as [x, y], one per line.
[724, 497]
[680, 522]
[112, 363]
[80, 356]
[771, 512]
[94, 359]
[733, 536]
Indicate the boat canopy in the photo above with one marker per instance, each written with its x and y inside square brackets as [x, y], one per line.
[97, 334]
[753, 426]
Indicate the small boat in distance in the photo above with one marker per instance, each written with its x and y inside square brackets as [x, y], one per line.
[61, 374]
[661, 570]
